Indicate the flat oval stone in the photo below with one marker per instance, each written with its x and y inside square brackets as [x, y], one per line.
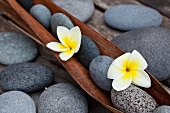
[27, 4]
[162, 109]
[129, 17]
[87, 52]
[27, 77]
[133, 100]
[81, 9]
[60, 19]
[16, 102]
[16, 48]
[154, 45]
[42, 14]
[98, 70]
[62, 98]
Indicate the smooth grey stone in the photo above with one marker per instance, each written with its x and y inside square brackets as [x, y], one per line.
[42, 14]
[62, 98]
[27, 77]
[133, 100]
[27, 4]
[98, 70]
[162, 109]
[154, 45]
[87, 52]
[16, 48]
[81, 9]
[129, 17]
[16, 102]
[60, 19]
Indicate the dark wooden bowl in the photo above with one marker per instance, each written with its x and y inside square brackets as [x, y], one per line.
[76, 69]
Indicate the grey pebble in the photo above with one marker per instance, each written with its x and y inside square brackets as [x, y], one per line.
[42, 14]
[62, 98]
[16, 48]
[60, 19]
[162, 109]
[154, 45]
[81, 9]
[129, 17]
[27, 4]
[27, 77]
[16, 102]
[87, 52]
[133, 100]
[98, 70]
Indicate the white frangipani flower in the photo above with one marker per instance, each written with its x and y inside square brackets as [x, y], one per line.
[70, 42]
[129, 68]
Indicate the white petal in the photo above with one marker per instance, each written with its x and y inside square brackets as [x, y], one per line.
[122, 83]
[140, 78]
[115, 72]
[62, 33]
[75, 43]
[66, 55]
[58, 47]
[122, 61]
[136, 61]
[75, 32]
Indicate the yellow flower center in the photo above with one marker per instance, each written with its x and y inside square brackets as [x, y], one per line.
[127, 69]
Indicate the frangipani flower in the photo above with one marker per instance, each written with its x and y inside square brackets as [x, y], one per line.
[129, 68]
[70, 42]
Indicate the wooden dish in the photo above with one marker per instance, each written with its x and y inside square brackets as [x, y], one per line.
[76, 69]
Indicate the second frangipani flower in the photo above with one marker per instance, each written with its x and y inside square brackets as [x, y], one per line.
[129, 68]
[70, 42]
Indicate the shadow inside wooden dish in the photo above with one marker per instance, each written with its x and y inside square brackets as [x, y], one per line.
[77, 70]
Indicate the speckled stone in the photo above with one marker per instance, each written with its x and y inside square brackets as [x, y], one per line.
[154, 45]
[81, 9]
[60, 19]
[87, 52]
[27, 77]
[129, 17]
[27, 4]
[16, 48]
[42, 14]
[162, 109]
[62, 98]
[16, 102]
[133, 100]
[98, 70]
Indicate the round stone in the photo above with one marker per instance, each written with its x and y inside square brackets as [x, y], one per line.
[60, 19]
[27, 4]
[133, 100]
[129, 17]
[16, 48]
[42, 14]
[16, 102]
[154, 45]
[87, 52]
[27, 77]
[98, 70]
[62, 98]
[162, 109]
[81, 9]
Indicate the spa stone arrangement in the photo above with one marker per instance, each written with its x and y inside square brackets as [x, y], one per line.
[29, 86]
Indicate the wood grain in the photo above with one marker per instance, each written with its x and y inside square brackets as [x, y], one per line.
[76, 70]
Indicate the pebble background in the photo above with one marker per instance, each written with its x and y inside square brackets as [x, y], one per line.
[81, 9]
[129, 17]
